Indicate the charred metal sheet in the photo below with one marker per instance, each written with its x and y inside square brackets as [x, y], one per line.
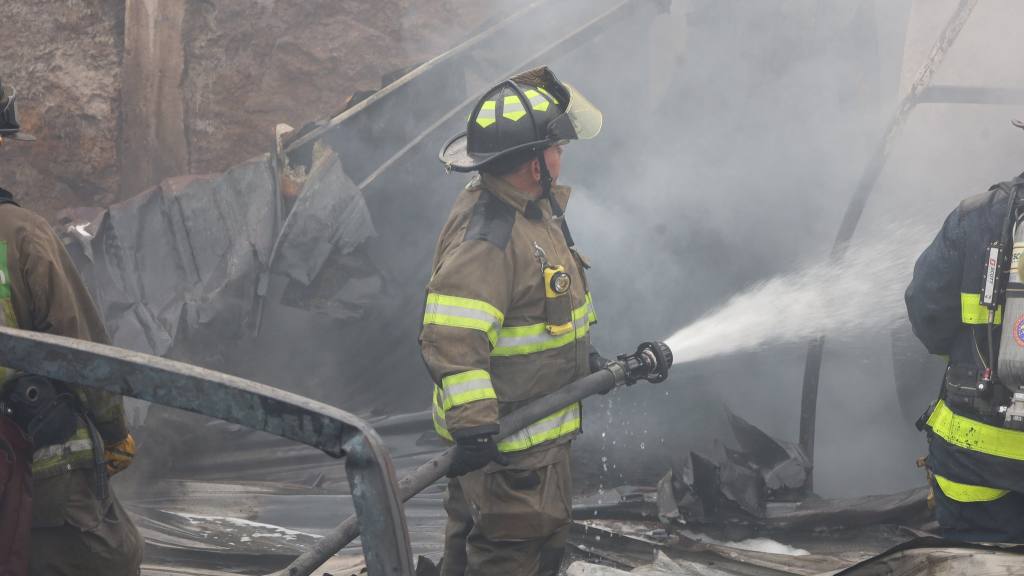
[184, 256]
[783, 465]
[329, 214]
[937, 556]
[178, 385]
[908, 507]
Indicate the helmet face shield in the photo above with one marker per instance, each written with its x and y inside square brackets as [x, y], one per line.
[580, 121]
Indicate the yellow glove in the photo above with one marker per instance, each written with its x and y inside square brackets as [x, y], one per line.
[119, 456]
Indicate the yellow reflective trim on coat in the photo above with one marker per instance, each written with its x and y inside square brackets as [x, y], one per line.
[968, 492]
[485, 117]
[973, 312]
[533, 338]
[974, 435]
[459, 312]
[562, 423]
[76, 450]
[466, 387]
[440, 426]
[512, 108]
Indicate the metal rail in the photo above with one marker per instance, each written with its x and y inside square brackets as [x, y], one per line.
[434, 469]
[339, 434]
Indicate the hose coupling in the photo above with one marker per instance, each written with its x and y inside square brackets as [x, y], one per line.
[651, 362]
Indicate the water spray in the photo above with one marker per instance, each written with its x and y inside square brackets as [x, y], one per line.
[859, 293]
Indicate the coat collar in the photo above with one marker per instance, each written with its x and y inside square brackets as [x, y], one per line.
[513, 197]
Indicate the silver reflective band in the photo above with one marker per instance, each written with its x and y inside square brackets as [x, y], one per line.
[453, 391]
[550, 428]
[60, 449]
[542, 337]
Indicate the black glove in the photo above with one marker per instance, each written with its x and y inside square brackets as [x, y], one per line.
[598, 362]
[474, 451]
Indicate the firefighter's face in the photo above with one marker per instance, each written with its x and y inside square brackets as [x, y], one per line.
[553, 158]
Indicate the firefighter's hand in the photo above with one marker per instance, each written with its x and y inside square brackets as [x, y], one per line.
[120, 455]
[474, 452]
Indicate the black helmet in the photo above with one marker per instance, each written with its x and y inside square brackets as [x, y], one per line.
[9, 127]
[530, 111]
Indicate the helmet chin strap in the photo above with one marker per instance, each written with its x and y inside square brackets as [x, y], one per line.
[545, 183]
[556, 209]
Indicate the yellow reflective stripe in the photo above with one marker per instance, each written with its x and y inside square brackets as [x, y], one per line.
[538, 101]
[513, 108]
[466, 387]
[592, 314]
[973, 312]
[5, 274]
[968, 492]
[548, 94]
[974, 435]
[562, 423]
[7, 317]
[461, 312]
[77, 449]
[485, 117]
[533, 338]
[440, 426]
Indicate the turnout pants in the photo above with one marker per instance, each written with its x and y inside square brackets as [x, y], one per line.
[1000, 520]
[510, 520]
[96, 537]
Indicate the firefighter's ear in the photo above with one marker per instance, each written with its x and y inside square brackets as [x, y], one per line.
[535, 175]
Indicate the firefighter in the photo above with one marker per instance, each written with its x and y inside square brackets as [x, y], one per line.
[79, 437]
[507, 320]
[976, 465]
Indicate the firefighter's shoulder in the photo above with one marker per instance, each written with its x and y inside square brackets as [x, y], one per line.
[490, 220]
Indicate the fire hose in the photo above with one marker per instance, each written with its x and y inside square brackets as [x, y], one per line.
[650, 362]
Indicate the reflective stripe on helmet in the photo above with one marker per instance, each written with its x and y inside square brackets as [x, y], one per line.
[538, 101]
[485, 117]
[968, 492]
[512, 108]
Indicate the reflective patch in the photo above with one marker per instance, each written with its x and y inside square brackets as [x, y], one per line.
[485, 117]
[977, 436]
[973, 312]
[968, 492]
[459, 312]
[466, 387]
[548, 94]
[537, 100]
[533, 338]
[513, 108]
[562, 423]
[5, 275]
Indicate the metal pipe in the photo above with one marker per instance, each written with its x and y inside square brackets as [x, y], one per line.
[600, 382]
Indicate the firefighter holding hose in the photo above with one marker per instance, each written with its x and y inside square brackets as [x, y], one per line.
[73, 438]
[507, 320]
[957, 303]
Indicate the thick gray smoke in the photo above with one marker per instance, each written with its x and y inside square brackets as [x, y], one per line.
[858, 294]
